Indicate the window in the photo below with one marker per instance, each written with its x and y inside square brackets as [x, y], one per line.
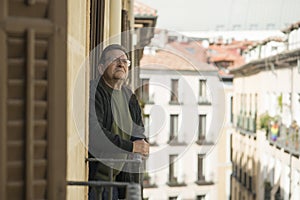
[172, 169]
[255, 103]
[145, 90]
[173, 127]
[174, 91]
[202, 91]
[201, 167]
[147, 125]
[173, 198]
[96, 33]
[201, 197]
[202, 127]
[231, 109]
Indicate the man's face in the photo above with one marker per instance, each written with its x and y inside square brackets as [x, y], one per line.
[115, 65]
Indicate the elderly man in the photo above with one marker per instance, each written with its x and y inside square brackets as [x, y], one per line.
[116, 126]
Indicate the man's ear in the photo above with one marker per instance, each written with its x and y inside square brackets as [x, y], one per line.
[101, 69]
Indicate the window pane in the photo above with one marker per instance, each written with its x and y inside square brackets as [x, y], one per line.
[147, 126]
[202, 88]
[174, 90]
[172, 168]
[200, 197]
[173, 127]
[201, 167]
[231, 109]
[145, 90]
[202, 127]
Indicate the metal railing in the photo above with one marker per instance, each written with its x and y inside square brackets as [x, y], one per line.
[133, 190]
[246, 123]
[287, 138]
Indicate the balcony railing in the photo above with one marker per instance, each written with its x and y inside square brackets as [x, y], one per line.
[133, 190]
[247, 124]
[202, 140]
[173, 182]
[147, 99]
[203, 181]
[246, 187]
[148, 182]
[287, 138]
[204, 100]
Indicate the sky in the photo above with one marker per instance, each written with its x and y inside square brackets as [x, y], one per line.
[225, 15]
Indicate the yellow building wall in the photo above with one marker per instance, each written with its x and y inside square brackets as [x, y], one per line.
[224, 166]
[78, 85]
[78, 93]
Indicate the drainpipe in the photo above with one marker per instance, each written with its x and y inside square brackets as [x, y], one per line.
[134, 79]
[292, 94]
[290, 176]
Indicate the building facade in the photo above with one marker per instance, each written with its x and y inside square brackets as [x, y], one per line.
[188, 140]
[265, 143]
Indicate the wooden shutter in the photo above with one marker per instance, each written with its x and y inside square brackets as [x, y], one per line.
[33, 99]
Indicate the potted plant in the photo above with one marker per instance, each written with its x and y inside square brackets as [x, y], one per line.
[146, 179]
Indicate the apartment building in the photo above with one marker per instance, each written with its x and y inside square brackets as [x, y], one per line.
[183, 99]
[265, 142]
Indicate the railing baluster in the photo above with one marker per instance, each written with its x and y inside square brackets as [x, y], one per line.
[133, 190]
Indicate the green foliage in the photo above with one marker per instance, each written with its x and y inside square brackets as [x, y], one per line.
[279, 100]
[146, 176]
[265, 120]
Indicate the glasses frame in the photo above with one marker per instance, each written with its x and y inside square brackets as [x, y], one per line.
[126, 62]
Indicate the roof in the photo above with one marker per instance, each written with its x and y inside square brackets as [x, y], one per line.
[291, 27]
[228, 52]
[192, 50]
[265, 41]
[281, 60]
[143, 10]
[165, 59]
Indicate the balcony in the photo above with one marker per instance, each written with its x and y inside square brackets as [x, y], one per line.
[202, 140]
[246, 124]
[287, 139]
[175, 102]
[243, 184]
[174, 141]
[145, 99]
[133, 189]
[202, 181]
[173, 182]
[147, 182]
[203, 100]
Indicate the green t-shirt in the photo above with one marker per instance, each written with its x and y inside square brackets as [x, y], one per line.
[122, 126]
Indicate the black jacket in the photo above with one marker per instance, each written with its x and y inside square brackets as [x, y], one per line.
[100, 125]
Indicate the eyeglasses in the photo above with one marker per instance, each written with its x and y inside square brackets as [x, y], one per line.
[119, 60]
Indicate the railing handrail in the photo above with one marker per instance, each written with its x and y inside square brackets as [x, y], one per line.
[111, 160]
[98, 183]
[133, 189]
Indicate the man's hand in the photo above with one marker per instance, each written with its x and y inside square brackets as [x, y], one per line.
[141, 146]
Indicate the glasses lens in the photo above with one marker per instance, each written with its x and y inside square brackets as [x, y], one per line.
[125, 62]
